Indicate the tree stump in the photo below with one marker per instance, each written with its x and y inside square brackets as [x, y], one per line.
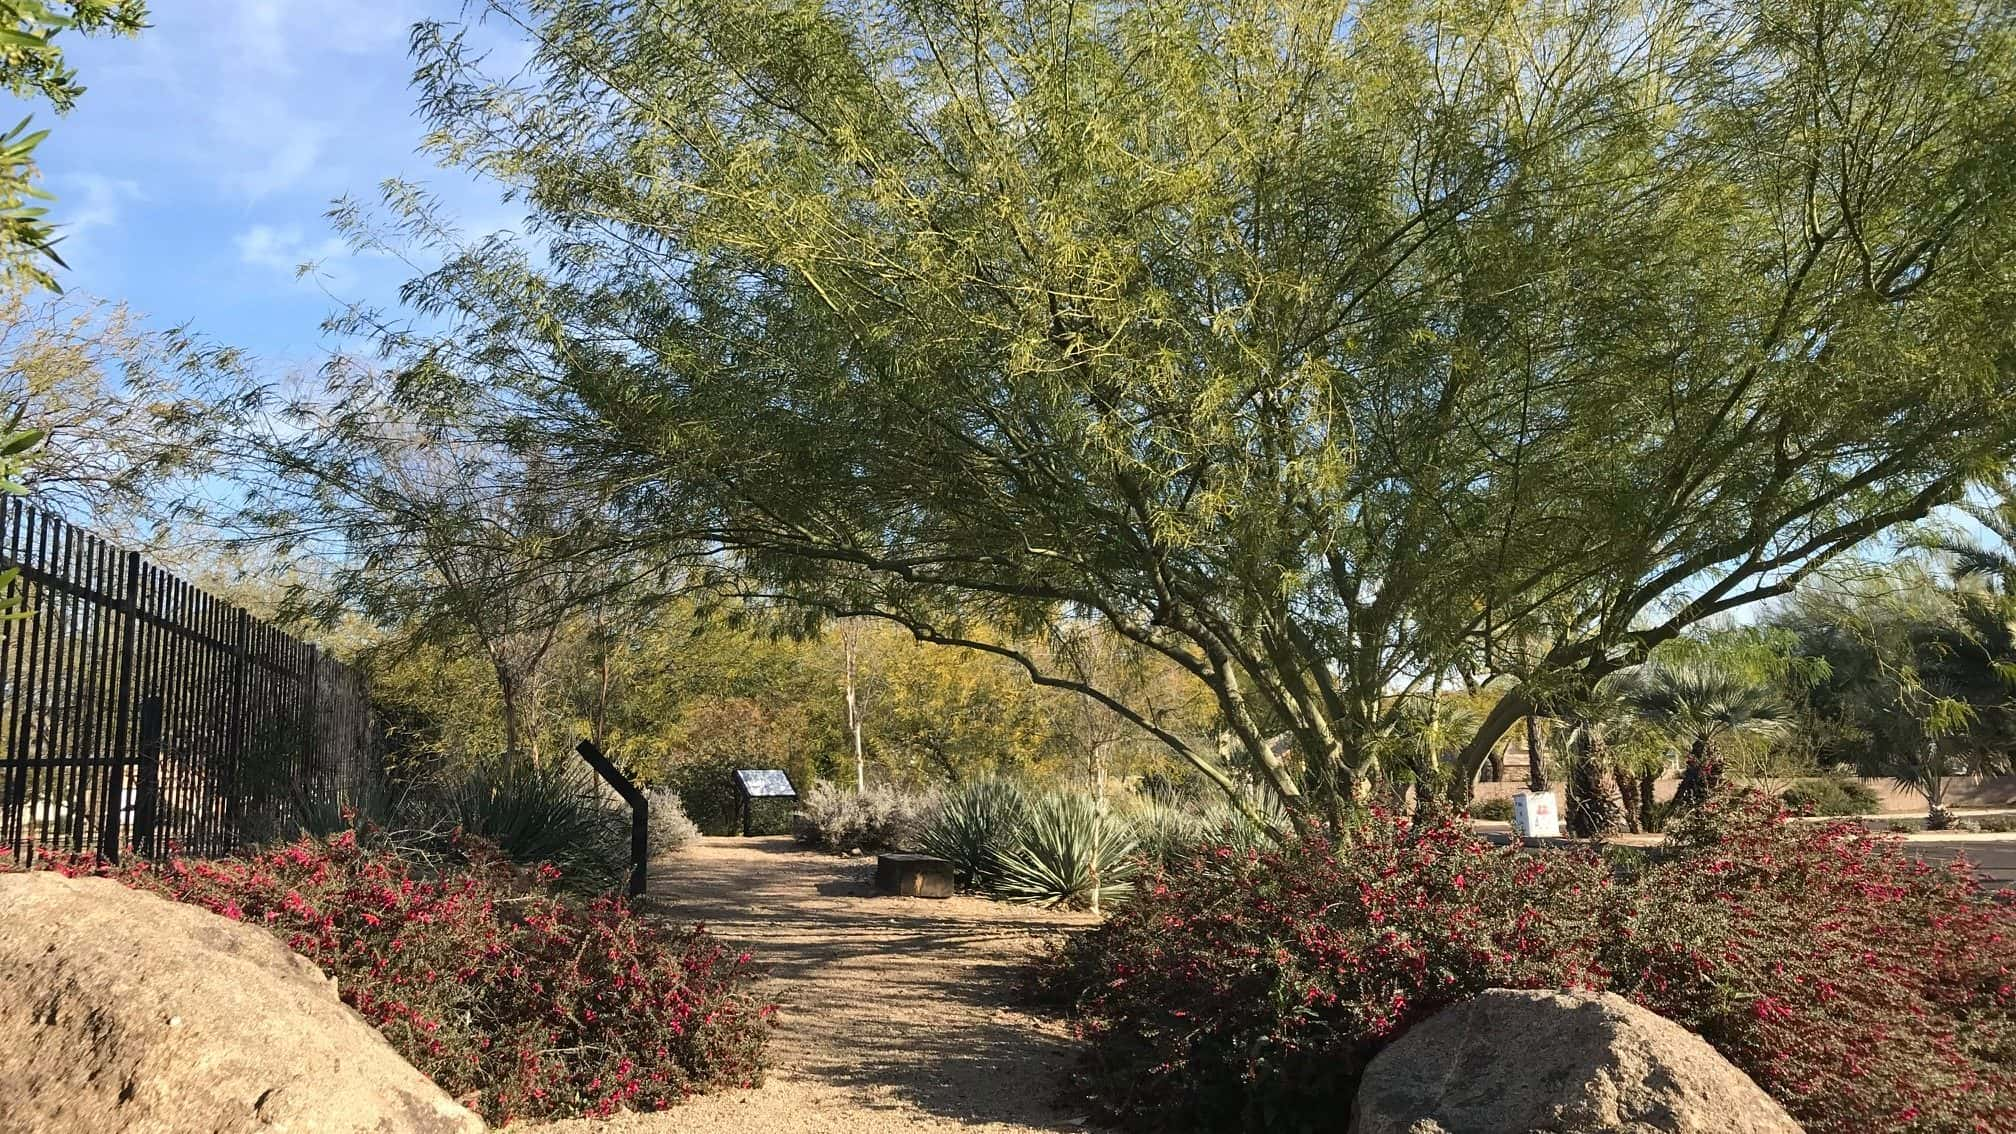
[913, 876]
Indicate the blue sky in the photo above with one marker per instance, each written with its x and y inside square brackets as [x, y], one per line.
[194, 174]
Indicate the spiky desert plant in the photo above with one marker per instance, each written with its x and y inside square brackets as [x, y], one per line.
[1072, 854]
[975, 825]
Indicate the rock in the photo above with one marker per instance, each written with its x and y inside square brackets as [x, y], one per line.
[913, 876]
[126, 1012]
[1509, 1062]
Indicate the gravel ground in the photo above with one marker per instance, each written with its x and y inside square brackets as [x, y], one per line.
[896, 1012]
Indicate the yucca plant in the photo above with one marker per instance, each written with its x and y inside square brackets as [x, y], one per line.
[974, 828]
[1165, 834]
[552, 812]
[1071, 855]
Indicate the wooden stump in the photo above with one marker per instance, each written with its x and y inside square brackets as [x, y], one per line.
[913, 876]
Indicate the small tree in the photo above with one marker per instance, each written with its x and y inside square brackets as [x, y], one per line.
[1700, 706]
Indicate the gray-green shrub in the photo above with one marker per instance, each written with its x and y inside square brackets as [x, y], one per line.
[1496, 810]
[1832, 795]
[670, 830]
[840, 820]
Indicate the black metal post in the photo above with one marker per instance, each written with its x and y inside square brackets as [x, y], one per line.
[640, 811]
[147, 802]
[129, 617]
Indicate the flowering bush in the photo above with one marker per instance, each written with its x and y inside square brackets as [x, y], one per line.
[513, 997]
[1247, 990]
[1864, 990]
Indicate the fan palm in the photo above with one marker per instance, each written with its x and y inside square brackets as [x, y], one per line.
[1700, 706]
[1991, 560]
[1431, 729]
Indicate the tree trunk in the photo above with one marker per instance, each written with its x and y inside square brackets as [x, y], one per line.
[1496, 762]
[507, 687]
[854, 712]
[1937, 817]
[1698, 776]
[1627, 791]
[1648, 796]
[1591, 812]
[1536, 755]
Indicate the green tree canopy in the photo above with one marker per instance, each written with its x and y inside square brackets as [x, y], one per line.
[1321, 348]
[31, 65]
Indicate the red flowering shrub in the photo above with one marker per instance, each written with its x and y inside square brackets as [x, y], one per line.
[1248, 990]
[1864, 990]
[1861, 987]
[511, 996]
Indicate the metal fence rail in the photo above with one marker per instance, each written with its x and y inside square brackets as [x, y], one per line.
[138, 711]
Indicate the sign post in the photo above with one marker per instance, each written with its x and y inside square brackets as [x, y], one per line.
[761, 783]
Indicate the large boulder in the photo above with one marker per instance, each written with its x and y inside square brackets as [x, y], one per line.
[1513, 1062]
[125, 1012]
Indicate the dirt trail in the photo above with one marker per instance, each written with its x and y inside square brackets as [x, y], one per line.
[897, 1013]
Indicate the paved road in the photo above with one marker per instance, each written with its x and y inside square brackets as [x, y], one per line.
[1993, 858]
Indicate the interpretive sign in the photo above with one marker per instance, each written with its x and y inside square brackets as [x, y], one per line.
[753, 784]
[765, 783]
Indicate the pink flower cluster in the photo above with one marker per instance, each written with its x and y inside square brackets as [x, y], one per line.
[514, 997]
[1248, 990]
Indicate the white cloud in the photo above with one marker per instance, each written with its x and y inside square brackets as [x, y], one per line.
[285, 250]
[97, 202]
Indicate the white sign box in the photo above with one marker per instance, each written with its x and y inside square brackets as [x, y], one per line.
[1536, 815]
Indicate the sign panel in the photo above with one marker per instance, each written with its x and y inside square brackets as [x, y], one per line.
[1536, 815]
[765, 783]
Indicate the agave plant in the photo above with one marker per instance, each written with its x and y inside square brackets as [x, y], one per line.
[974, 828]
[1071, 855]
[552, 812]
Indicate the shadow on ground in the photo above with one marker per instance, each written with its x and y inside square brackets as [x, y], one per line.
[902, 1005]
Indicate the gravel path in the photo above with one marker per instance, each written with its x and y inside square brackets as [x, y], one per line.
[896, 1012]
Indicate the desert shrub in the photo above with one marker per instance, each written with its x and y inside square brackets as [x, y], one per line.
[1864, 989]
[552, 812]
[504, 991]
[1832, 795]
[670, 831]
[1069, 851]
[1494, 810]
[1249, 990]
[840, 820]
[974, 827]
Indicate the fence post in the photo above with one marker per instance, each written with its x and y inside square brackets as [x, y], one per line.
[311, 737]
[241, 672]
[147, 805]
[640, 811]
[129, 642]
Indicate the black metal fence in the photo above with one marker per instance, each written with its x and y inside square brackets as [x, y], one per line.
[138, 711]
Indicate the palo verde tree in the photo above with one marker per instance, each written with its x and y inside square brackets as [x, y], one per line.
[1318, 347]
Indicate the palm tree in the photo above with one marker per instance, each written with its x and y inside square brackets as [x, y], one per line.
[1592, 810]
[1699, 706]
[1432, 728]
[1992, 560]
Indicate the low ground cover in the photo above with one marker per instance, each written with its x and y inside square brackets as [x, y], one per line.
[1247, 989]
[514, 996]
